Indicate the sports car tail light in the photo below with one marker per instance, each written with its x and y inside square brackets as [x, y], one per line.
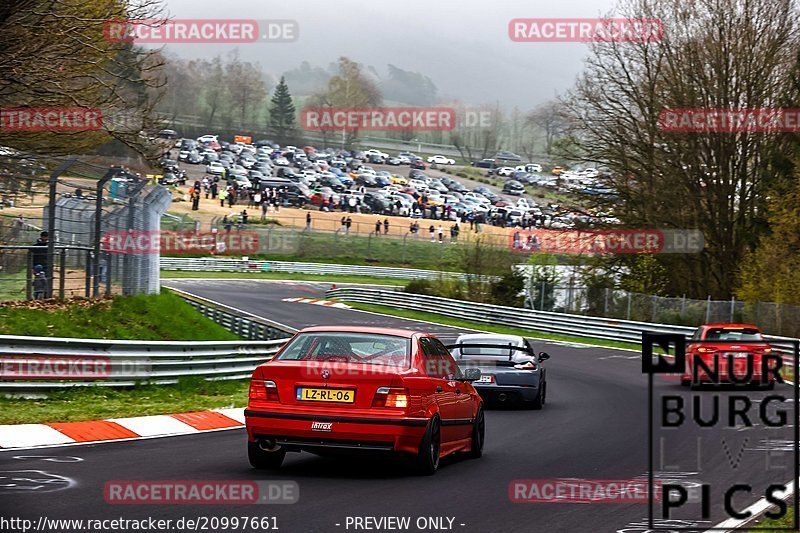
[390, 397]
[706, 349]
[263, 390]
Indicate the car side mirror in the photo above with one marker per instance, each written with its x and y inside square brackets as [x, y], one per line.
[544, 356]
[472, 374]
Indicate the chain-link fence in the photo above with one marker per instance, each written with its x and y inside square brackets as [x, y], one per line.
[772, 318]
[64, 211]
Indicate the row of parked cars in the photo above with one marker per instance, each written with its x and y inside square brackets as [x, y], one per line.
[334, 178]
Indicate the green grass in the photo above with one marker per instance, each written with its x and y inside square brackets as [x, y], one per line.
[361, 250]
[786, 522]
[142, 317]
[333, 278]
[98, 403]
[459, 323]
[12, 285]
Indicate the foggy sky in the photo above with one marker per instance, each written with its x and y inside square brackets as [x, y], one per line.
[463, 46]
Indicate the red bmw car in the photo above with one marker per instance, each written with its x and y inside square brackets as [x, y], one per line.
[726, 344]
[363, 389]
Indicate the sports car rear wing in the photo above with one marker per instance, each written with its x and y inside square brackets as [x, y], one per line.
[503, 347]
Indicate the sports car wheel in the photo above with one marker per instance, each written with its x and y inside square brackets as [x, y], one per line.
[428, 457]
[478, 434]
[538, 403]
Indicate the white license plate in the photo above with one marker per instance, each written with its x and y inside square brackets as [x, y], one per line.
[737, 355]
[485, 379]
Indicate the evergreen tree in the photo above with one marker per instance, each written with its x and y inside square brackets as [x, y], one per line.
[282, 114]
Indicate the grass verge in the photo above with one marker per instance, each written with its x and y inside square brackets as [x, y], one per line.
[332, 278]
[142, 317]
[784, 523]
[98, 403]
[459, 323]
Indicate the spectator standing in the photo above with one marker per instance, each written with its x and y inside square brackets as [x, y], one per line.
[39, 283]
[308, 222]
[441, 234]
[348, 223]
[377, 227]
[16, 227]
[432, 231]
[39, 250]
[385, 226]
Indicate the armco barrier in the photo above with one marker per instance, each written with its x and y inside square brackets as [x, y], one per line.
[241, 265]
[543, 321]
[43, 363]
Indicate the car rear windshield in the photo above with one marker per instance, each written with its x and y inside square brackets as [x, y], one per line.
[726, 334]
[361, 348]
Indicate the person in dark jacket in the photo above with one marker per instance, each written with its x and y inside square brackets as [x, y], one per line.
[39, 250]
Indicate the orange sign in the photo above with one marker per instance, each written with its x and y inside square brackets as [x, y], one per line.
[242, 139]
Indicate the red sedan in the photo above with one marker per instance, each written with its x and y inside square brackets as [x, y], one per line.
[725, 345]
[363, 389]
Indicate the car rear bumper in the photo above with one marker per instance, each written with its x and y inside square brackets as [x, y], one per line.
[507, 393]
[310, 432]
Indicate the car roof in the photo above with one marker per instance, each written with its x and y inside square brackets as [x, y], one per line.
[397, 332]
[730, 326]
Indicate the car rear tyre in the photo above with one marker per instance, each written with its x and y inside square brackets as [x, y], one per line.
[478, 434]
[262, 459]
[428, 456]
[541, 398]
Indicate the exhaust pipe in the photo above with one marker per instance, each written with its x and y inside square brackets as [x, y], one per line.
[268, 445]
[502, 397]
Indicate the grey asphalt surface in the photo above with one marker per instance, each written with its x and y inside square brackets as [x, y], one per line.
[593, 427]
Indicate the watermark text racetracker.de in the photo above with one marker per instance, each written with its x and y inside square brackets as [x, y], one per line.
[708, 120]
[581, 30]
[200, 31]
[200, 492]
[39, 366]
[393, 118]
[138, 242]
[69, 119]
[607, 241]
[573, 490]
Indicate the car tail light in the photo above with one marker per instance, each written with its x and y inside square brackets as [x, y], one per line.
[706, 349]
[263, 390]
[391, 397]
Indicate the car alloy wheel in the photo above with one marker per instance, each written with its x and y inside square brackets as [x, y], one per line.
[429, 450]
[478, 434]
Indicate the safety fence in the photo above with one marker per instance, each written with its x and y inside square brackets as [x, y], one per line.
[42, 363]
[199, 264]
[542, 321]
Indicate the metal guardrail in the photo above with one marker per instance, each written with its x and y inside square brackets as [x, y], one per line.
[241, 265]
[543, 321]
[239, 322]
[44, 363]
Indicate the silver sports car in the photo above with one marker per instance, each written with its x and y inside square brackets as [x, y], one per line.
[511, 371]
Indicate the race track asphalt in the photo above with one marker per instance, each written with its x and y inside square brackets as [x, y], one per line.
[593, 427]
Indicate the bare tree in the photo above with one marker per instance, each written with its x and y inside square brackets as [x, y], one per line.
[57, 53]
[728, 54]
[549, 118]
